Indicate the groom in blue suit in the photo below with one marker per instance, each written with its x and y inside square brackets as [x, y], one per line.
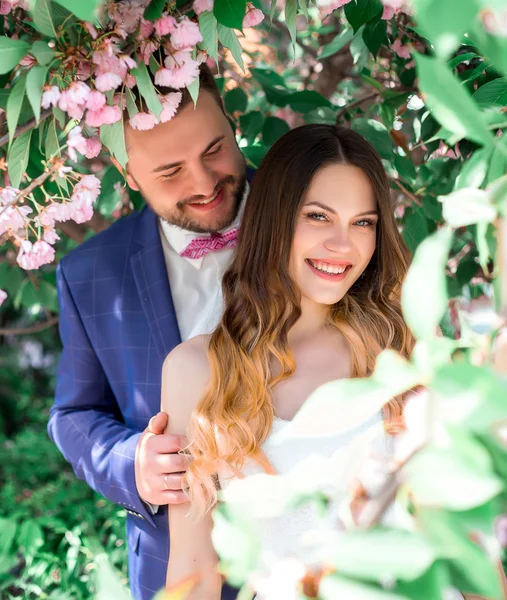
[128, 296]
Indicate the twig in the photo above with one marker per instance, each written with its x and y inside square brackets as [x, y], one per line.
[26, 127]
[410, 195]
[355, 103]
[38, 181]
[32, 329]
[308, 49]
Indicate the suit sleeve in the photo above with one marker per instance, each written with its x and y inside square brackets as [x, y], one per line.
[85, 422]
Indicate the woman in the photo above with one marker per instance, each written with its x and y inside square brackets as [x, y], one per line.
[313, 295]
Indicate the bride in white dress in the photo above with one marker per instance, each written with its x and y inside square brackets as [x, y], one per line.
[312, 295]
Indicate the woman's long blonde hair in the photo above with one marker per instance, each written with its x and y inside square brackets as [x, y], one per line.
[262, 303]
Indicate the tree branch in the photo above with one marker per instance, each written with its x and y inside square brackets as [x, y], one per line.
[31, 124]
[32, 329]
[413, 197]
[355, 103]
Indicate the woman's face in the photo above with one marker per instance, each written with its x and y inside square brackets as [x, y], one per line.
[335, 234]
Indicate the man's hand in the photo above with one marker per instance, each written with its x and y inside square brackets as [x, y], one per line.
[158, 466]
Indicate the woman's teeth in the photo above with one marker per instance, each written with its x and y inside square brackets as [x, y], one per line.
[326, 268]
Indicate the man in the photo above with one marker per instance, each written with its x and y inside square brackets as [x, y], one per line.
[127, 297]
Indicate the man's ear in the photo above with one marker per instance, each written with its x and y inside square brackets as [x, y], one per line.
[130, 181]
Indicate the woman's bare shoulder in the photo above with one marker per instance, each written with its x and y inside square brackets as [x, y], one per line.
[185, 377]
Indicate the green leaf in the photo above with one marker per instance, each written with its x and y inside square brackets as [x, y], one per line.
[145, 86]
[30, 537]
[85, 11]
[423, 312]
[306, 100]
[291, 11]
[444, 23]
[251, 124]
[230, 13]
[43, 18]
[209, 30]
[273, 129]
[34, 81]
[467, 206]
[229, 39]
[44, 294]
[332, 587]
[374, 35]
[268, 78]
[235, 100]
[381, 554]
[109, 198]
[254, 154]
[474, 171]
[193, 90]
[11, 52]
[18, 157]
[498, 163]
[415, 228]
[359, 12]
[11, 279]
[60, 116]
[42, 52]
[52, 145]
[473, 571]
[14, 104]
[449, 102]
[154, 10]
[457, 60]
[113, 138]
[492, 93]
[377, 134]
[453, 472]
[341, 40]
[131, 103]
[8, 528]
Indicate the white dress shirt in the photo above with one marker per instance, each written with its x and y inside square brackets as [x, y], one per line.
[196, 283]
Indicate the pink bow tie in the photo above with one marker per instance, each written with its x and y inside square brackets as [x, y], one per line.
[201, 246]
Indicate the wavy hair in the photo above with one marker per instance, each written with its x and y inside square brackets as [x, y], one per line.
[263, 302]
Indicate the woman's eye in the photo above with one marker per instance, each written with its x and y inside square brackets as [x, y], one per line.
[317, 216]
[366, 223]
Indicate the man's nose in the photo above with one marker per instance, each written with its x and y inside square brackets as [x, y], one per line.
[204, 181]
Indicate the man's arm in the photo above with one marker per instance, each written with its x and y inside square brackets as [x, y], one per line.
[85, 422]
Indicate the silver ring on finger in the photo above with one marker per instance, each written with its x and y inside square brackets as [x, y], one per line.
[165, 482]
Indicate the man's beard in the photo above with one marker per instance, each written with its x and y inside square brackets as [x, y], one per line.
[179, 219]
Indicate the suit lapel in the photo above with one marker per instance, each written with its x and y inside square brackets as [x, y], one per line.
[152, 282]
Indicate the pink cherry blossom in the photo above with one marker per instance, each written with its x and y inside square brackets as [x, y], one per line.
[13, 218]
[170, 103]
[78, 92]
[93, 147]
[401, 51]
[50, 236]
[75, 112]
[326, 7]
[75, 143]
[105, 116]
[28, 61]
[63, 170]
[146, 49]
[130, 81]
[81, 212]
[91, 30]
[165, 25]
[7, 195]
[253, 17]
[143, 121]
[87, 189]
[107, 81]
[32, 256]
[127, 14]
[50, 96]
[179, 77]
[388, 13]
[3, 295]
[201, 6]
[178, 58]
[96, 100]
[186, 34]
[146, 29]
[55, 212]
[5, 7]
[495, 22]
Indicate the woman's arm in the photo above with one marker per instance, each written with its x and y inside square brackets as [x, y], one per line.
[185, 375]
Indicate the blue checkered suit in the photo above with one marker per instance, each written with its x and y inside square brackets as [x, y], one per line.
[117, 324]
